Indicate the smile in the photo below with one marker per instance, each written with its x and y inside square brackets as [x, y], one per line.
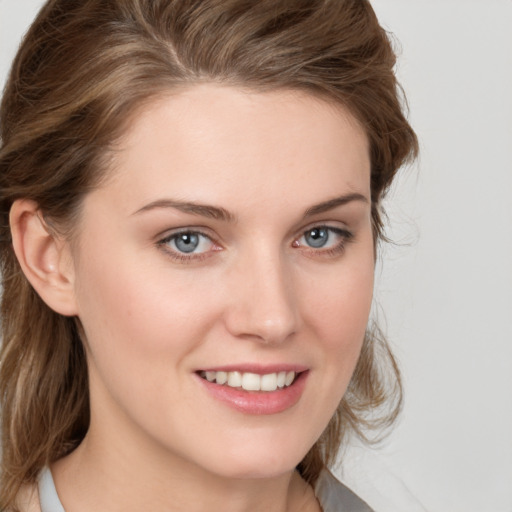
[251, 381]
[254, 393]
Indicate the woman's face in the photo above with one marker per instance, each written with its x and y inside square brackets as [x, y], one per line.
[233, 242]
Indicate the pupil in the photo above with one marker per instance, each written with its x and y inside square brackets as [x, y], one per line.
[317, 237]
[187, 242]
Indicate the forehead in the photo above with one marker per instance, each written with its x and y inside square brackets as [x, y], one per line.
[228, 143]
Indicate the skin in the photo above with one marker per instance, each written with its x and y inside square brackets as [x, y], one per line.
[256, 292]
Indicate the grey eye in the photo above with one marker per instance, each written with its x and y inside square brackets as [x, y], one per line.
[186, 242]
[317, 237]
[188, 245]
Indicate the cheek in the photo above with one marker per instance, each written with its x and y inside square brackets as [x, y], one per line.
[338, 313]
[340, 305]
[134, 313]
[139, 329]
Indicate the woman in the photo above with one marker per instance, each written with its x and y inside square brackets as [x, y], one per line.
[190, 195]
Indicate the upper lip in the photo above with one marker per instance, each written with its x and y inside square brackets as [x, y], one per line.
[259, 369]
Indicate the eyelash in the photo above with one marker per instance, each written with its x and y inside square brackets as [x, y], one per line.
[184, 257]
[345, 238]
[338, 249]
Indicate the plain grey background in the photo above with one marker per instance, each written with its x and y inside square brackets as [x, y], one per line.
[444, 290]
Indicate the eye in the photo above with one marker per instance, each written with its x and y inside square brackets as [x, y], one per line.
[187, 243]
[317, 237]
[326, 239]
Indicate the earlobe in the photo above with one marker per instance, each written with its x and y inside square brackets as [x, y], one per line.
[43, 256]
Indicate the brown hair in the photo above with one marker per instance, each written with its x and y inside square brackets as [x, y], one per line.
[82, 70]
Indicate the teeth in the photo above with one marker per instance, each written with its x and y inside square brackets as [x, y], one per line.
[251, 381]
[234, 379]
[269, 382]
[222, 377]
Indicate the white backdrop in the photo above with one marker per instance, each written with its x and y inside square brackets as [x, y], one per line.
[446, 287]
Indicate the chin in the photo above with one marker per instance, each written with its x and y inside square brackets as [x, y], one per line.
[255, 461]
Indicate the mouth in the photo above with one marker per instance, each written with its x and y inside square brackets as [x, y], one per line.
[248, 381]
[264, 393]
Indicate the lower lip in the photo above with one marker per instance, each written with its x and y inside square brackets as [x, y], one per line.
[258, 402]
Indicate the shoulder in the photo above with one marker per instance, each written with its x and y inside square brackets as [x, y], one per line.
[28, 499]
[369, 473]
[336, 497]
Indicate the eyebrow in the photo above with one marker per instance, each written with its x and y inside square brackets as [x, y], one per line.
[334, 203]
[219, 213]
[203, 210]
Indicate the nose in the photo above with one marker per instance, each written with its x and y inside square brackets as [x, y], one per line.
[262, 304]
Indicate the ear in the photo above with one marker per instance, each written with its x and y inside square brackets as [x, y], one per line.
[44, 257]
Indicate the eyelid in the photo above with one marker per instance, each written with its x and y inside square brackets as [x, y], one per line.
[334, 226]
[170, 232]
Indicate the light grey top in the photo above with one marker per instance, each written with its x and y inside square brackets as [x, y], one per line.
[48, 496]
[332, 495]
[336, 497]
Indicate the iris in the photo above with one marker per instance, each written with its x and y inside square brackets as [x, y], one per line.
[317, 237]
[187, 242]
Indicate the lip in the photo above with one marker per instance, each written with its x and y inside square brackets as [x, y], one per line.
[259, 369]
[257, 402]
